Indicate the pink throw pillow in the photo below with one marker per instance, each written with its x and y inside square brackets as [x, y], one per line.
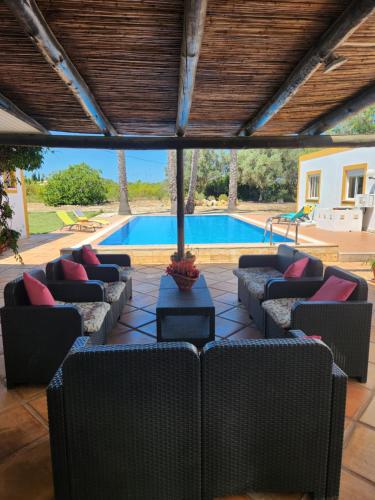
[73, 270]
[334, 289]
[296, 269]
[89, 257]
[38, 293]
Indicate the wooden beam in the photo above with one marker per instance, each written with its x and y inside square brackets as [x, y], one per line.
[194, 18]
[12, 109]
[36, 27]
[180, 203]
[347, 109]
[157, 143]
[356, 13]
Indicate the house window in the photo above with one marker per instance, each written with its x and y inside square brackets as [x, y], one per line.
[10, 181]
[353, 182]
[313, 186]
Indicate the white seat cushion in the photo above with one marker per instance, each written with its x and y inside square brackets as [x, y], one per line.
[93, 314]
[280, 310]
[255, 278]
[113, 291]
[125, 273]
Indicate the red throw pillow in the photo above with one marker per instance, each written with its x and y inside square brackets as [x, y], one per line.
[89, 257]
[296, 269]
[38, 293]
[73, 270]
[334, 289]
[316, 337]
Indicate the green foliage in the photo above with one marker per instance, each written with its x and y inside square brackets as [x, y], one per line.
[361, 123]
[77, 185]
[112, 190]
[218, 186]
[35, 191]
[147, 190]
[45, 222]
[223, 197]
[12, 157]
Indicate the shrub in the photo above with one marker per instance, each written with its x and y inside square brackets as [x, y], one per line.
[147, 190]
[112, 190]
[77, 185]
[223, 197]
[35, 191]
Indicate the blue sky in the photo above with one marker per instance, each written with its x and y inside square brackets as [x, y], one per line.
[144, 165]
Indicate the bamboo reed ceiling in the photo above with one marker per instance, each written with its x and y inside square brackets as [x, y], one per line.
[128, 52]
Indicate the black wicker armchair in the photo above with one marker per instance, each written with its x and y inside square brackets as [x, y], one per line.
[121, 262]
[115, 290]
[125, 423]
[344, 326]
[254, 272]
[37, 338]
[272, 418]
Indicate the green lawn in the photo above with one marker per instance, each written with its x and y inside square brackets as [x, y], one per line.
[45, 222]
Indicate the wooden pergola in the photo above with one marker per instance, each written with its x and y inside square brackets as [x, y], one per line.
[184, 74]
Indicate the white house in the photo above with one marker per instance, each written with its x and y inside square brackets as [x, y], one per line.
[332, 179]
[15, 187]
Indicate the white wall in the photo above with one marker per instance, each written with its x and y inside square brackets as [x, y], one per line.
[331, 167]
[17, 204]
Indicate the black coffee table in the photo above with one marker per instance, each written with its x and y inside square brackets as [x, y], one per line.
[185, 316]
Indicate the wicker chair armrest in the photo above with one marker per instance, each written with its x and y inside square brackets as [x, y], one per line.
[77, 291]
[56, 321]
[114, 258]
[278, 288]
[258, 261]
[339, 385]
[330, 317]
[103, 272]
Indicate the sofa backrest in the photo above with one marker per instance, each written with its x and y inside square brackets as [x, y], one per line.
[285, 256]
[266, 408]
[54, 270]
[132, 421]
[361, 291]
[314, 268]
[15, 293]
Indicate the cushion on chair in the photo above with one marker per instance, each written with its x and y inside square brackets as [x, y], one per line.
[113, 291]
[296, 269]
[255, 278]
[38, 292]
[125, 273]
[89, 257]
[280, 310]
[73, 270]
[334, 289]
[93, 314]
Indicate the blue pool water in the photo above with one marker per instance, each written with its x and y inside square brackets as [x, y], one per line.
[162, 230]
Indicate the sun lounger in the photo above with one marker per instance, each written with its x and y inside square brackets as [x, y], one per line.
[81, 217]
[69, 223]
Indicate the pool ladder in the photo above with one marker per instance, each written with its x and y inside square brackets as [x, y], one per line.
[270, 225]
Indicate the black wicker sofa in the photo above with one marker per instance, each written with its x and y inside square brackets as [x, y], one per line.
[160, 421]
[255, 272]
[37, 338]
[344, 326]
[116, 291]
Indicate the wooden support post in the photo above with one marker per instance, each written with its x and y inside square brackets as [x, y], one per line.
[180, 203]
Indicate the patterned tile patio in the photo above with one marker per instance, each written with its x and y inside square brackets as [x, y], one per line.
[25, 468]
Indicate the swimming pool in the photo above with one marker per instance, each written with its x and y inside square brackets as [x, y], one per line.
[199, 229]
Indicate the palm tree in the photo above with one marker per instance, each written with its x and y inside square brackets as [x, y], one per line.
[189, 207]
[124, 207]
[233, 179]
[172, 181]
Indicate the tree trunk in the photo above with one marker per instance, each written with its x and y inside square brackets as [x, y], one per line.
[233, 175]
[172, 181]
[189, 207]
[124, 207]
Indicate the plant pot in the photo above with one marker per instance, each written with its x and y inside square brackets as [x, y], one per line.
[190, 259]
[184, 283]
[3, 247]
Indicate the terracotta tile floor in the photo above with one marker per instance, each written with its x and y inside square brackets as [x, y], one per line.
[25, 468]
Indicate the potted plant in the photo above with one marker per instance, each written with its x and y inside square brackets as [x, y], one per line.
[372, 265]
[183, 270]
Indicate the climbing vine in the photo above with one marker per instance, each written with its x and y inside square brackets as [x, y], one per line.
[12, 157]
